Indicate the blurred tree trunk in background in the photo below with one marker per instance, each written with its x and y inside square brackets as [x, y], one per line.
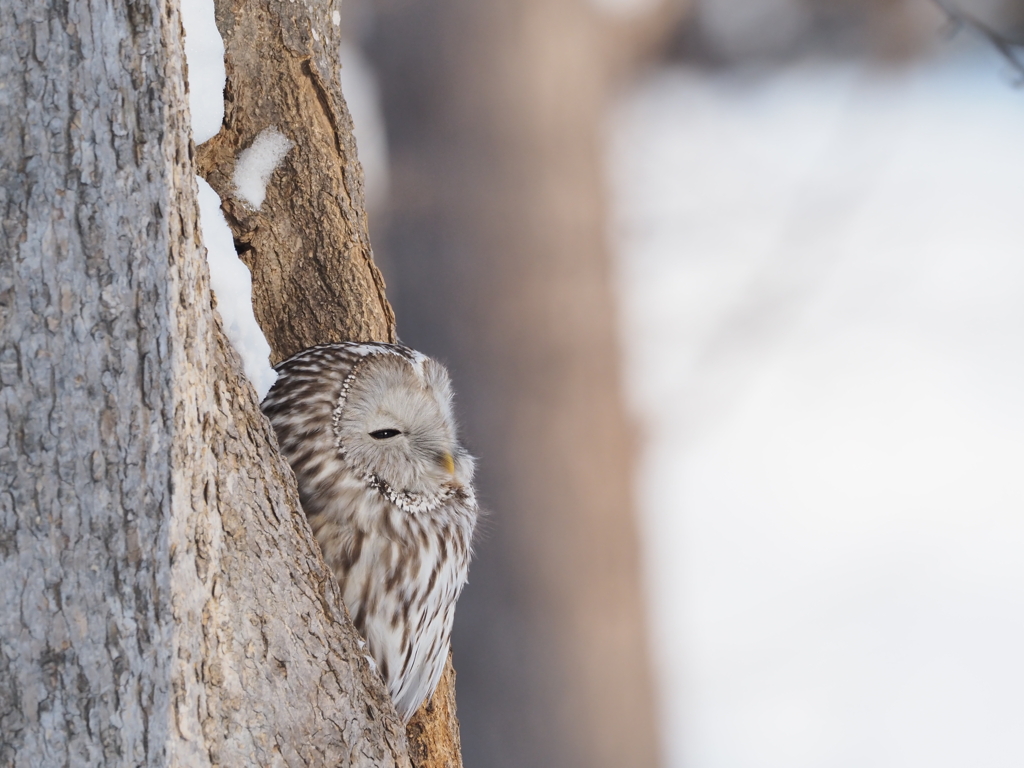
[496, 242]
[494, 246]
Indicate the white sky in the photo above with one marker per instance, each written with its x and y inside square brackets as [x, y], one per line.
[822, 286]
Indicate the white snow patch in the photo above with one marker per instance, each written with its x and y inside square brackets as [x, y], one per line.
[204, 51]
[232, 284]
[257, 164]
[229, 277]
[336, 18]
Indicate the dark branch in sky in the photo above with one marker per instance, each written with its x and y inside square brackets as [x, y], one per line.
[1011, 50]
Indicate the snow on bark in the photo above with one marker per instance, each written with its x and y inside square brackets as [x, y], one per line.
[229, 277]
[204, 50]
[308, 244]
[256, 164]
[231, 282]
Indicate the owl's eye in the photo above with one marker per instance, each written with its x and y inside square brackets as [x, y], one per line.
[384, 434]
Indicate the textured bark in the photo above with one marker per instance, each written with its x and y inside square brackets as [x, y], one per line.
[307, 245]
[268, 669]
[434, 740]
[162, 601]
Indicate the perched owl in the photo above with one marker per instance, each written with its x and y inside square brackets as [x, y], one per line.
[388, 490]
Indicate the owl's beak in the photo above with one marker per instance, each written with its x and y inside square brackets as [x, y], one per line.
[448, 463]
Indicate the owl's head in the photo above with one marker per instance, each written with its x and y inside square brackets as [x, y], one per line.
[396, 422]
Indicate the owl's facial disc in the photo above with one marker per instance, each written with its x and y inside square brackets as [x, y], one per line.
[396, 424]
[445, 459]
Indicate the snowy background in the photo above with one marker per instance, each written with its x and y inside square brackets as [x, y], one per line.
[821, 270]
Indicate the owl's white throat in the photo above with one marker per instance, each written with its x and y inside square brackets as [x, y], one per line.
[409, 501]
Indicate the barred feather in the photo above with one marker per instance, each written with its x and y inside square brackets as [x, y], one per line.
[394, 515]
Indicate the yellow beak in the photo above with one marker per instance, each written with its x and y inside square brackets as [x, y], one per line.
[448, 463]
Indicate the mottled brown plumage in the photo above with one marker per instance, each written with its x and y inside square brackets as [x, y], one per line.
[369, 432]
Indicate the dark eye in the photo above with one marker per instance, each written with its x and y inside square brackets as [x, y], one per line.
[384, 434]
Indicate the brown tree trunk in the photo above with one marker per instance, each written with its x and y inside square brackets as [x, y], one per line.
[162, 601]
[497, 228]
[308, 247]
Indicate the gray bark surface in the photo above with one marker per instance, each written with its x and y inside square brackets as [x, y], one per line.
[162, 601]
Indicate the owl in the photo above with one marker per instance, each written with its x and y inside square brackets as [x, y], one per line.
[388, 490]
